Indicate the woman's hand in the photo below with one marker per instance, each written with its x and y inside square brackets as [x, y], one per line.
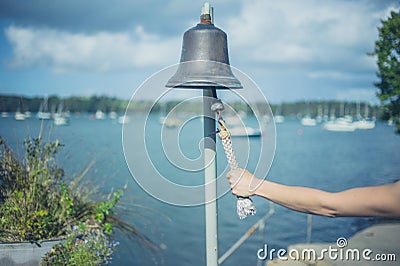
[242, 182]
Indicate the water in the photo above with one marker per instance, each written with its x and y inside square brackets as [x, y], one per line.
[305, 156]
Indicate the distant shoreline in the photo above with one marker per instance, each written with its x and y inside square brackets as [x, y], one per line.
[85, 104]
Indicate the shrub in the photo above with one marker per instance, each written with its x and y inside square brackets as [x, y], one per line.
[36, 203]
[82, 246]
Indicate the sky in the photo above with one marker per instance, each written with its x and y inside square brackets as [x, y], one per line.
[294, 50]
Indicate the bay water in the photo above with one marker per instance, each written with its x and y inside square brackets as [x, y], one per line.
[305, 156]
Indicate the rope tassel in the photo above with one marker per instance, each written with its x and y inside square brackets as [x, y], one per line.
[245, 205]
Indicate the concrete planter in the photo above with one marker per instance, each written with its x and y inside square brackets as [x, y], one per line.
[24, 253]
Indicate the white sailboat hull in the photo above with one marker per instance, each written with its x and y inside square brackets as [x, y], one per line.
[245, 132]
[308, 121]
[364, 124]
[340, 125]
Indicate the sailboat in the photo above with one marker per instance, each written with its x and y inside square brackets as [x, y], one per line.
[43, 114]
[100, 115]
[19, 116]
[366, 122]
[124, 119]
[113, 115]
[60, 118]
[27, 114]
[245, 132]
[308, 121]
[319, 114]
[279, 119]
[340, 124]
[170, 122]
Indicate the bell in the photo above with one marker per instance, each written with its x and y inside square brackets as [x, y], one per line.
[204, 59]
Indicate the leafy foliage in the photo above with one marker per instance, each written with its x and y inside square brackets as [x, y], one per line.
[33, 206]
[37, 204]
[82, 246]
[387, 50]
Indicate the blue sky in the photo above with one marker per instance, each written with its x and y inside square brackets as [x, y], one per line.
[294, 50]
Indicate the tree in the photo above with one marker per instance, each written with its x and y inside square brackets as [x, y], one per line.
[387, 50]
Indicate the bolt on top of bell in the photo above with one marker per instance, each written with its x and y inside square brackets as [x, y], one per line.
[204, 61]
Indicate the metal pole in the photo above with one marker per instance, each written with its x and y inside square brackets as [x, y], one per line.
[210, 176]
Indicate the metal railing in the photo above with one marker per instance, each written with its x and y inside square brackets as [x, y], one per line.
[259, 226]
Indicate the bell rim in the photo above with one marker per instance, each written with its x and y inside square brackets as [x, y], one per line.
[199, 85]
[198, 81]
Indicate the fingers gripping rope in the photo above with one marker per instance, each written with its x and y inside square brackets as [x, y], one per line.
[245, 205]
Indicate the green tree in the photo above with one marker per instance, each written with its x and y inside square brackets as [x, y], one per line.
[387, 50]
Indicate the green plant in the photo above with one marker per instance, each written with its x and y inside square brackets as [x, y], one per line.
[82, 246]
[388, 61]
[36, 203]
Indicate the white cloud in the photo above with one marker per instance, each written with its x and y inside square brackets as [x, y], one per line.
[294, 49]
[305, 32]
[102, 51]
[333, 33]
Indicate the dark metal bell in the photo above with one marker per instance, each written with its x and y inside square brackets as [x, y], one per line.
[204, 59]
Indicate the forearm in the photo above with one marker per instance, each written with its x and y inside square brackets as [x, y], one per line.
[307, 200]
[379, 201]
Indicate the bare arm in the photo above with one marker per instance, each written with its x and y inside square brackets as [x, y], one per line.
[383, 201]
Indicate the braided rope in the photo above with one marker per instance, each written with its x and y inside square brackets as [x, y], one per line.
[230, 156]
[245, 205]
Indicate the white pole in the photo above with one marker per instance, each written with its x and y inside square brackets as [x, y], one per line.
[210, 176]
